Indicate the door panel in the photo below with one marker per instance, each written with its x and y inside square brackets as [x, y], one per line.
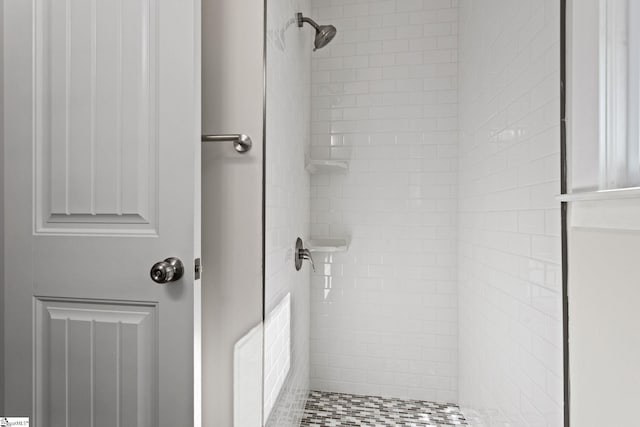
[96, 102]
[102, 178]
[102, 355]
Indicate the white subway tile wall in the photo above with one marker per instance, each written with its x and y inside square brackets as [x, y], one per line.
[384, 314]
[287, 204]
[277, 352]
[509, 223]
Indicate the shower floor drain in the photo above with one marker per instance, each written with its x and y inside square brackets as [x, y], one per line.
[324, 409]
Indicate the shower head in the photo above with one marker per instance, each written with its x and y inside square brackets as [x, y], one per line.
[324, 36]
[324, 33]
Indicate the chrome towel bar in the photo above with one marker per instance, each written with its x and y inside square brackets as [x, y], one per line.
[242, 143]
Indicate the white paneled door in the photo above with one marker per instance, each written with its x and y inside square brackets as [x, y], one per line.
[102, 177]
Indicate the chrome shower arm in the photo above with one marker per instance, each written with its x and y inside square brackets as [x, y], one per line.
[302, 19]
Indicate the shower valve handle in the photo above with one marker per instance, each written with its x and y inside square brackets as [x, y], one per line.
[303, 254]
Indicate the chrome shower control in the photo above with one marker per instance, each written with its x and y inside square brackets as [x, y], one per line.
[169, 270]
[302, 254]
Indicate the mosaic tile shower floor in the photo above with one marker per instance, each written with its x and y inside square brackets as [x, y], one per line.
[325, 409]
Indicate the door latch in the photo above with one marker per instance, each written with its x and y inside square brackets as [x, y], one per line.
[198, 268]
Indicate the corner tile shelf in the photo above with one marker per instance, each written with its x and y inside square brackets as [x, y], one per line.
[328, 245]
[316, 167]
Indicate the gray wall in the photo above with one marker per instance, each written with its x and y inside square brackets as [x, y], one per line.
[232, 102]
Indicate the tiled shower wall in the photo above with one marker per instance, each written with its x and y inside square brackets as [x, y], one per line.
[384, 96]
[510, 275]
[287, 211]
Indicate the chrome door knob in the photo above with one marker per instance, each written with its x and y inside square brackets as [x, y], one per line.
[169, 270]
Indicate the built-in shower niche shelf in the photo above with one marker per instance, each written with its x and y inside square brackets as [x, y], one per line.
[328, 245]
[316, 167]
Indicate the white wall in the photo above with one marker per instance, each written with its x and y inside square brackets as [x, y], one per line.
[603, 319]
[384, 314]
[604, 242]
[287, 211]
[509, 244]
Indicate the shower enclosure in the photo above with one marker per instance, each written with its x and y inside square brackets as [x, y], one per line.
[415, 154]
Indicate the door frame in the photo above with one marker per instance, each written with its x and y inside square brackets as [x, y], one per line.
[564, 206]
[2, 181]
